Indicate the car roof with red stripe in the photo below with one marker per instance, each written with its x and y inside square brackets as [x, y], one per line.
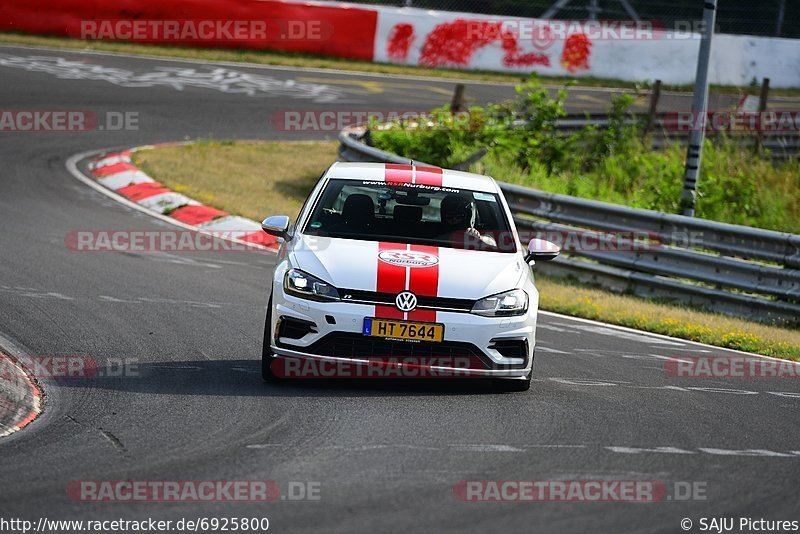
[418, 173]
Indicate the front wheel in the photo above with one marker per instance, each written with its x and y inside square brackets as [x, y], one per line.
[266, 351]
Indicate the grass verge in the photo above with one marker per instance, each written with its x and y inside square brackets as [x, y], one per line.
[283, 59]
[253, 180]
[259, 179]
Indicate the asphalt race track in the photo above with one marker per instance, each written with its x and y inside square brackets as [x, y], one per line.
[386, 455]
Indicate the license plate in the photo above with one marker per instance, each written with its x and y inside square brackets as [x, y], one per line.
[390, 328]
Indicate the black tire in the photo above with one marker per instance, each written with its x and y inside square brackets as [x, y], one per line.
[266, 353]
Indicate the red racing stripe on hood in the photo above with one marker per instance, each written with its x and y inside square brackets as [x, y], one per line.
[420, 280]
[424, 281]
[391, 279]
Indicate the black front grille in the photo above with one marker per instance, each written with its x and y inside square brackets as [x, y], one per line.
[422, 301]
[359, 346]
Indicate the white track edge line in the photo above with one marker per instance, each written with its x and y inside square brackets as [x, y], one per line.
[661, 336]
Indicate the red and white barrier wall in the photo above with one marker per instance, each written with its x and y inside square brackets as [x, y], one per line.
[338, 29]
[463, 40]
[438, 39]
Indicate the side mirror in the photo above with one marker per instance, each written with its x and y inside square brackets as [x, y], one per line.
[277, 225]
[541, 250]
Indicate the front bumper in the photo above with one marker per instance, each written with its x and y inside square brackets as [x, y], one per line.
[337, 326]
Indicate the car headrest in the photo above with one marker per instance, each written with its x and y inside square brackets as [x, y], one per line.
[358, 208]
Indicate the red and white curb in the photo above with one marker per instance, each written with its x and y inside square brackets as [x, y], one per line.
[20, 397]
[116, 172]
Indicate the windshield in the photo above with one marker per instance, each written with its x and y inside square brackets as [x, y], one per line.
[411, 213]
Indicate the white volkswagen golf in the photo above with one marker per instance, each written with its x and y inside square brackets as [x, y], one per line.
[405, 266]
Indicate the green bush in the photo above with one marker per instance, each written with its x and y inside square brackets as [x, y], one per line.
[612, 164]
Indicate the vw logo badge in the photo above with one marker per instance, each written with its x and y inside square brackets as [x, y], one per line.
[406, 301]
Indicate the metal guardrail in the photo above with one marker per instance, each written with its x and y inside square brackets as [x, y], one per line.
[664, 130]
[737, 270]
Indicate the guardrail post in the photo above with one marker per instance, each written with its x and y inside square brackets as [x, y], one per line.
[653, 111]
[695, 150]
[457, 104]
[762, 107]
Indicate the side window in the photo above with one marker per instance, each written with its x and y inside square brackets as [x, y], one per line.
[306, 204]
[486, 215]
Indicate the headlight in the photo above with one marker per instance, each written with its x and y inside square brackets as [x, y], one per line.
[514, 302]
[303, 285]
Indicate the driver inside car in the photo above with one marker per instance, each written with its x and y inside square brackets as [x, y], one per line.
[458, 215]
